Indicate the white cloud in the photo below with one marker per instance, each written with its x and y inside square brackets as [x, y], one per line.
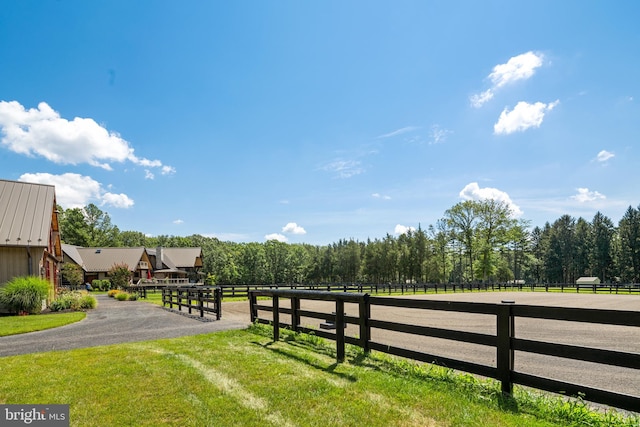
[116, 200]
[167, 170]
[522, 117]
[77, 191]
[178, 221]
[380, 196]
[293, 228]
[604, 155]
[42, 132]
[439, 135]
[402, 229]
[520, 67]
[472, 191]
[478, 99]
[148, 174]
[276, 236]
[398, 132]
[585, 195]
[344, 168]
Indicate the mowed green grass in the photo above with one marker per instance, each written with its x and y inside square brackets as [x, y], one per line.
[12, 325]
[242, 378]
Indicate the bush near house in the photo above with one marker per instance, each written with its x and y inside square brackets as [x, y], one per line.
[120, 276]
[73, 301]
[101, 285]
[24, 295]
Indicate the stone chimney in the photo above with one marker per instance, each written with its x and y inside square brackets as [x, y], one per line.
[159, 258]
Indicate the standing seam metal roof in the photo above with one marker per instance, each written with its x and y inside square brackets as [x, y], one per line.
[25, 213]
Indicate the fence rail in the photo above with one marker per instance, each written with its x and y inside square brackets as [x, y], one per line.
[504, 341]
[229, 291]
[196, 298]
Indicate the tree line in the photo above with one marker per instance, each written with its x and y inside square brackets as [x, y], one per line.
[475, 241]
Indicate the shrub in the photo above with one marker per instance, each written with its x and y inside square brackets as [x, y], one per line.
[113, 292]
[101, 285]
[87, 302]
[24, 294]
[133, 297]
[122, 296]
[73, 301]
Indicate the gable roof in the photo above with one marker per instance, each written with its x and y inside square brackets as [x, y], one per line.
[102, 259]
[26, 213]
[72, 252]
[179, 257]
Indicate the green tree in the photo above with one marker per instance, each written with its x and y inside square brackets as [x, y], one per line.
[495, 220]
[601, 253]
[88, 227]
[73, 227]
[629, 236]
[463, 219]
[72, 274]
[561, 254]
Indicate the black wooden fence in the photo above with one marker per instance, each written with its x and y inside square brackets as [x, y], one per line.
[229, 291]
[504, 341]
[200, 298]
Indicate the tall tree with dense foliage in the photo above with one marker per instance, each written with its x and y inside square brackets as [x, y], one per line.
[88, 227]
[601, 254]
[629, 232]
[463, 219]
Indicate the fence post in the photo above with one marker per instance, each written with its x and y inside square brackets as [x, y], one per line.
[365, 330]
[217, 295]
[276, 317]
[295, 313]
[340, 329]
[504, 356]
[200, 294]
[253, 300]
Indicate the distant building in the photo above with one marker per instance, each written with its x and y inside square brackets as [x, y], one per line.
[144, 263]
[29, 232]
[588, 281]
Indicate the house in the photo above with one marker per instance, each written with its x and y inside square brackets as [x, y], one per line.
[29, 232]
[177, 264]
[96, 262]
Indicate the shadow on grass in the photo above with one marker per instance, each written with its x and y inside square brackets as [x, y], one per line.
[309, 361]
[443, 378]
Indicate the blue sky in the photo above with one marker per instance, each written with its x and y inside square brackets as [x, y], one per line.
[316, 121]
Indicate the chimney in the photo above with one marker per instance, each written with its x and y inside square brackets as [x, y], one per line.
[159, 258]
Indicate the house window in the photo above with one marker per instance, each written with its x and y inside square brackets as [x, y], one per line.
[143, 265]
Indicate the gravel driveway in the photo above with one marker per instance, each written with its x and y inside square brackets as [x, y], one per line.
[113, 322]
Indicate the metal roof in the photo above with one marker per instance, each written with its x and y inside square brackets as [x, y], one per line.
[179, 257]
[182, 257]
[102, 259]
[26, 212]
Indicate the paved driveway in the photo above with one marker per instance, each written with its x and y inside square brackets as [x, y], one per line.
[113, 322]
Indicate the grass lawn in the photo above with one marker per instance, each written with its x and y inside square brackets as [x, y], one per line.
[242, 378]
[11, 325]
